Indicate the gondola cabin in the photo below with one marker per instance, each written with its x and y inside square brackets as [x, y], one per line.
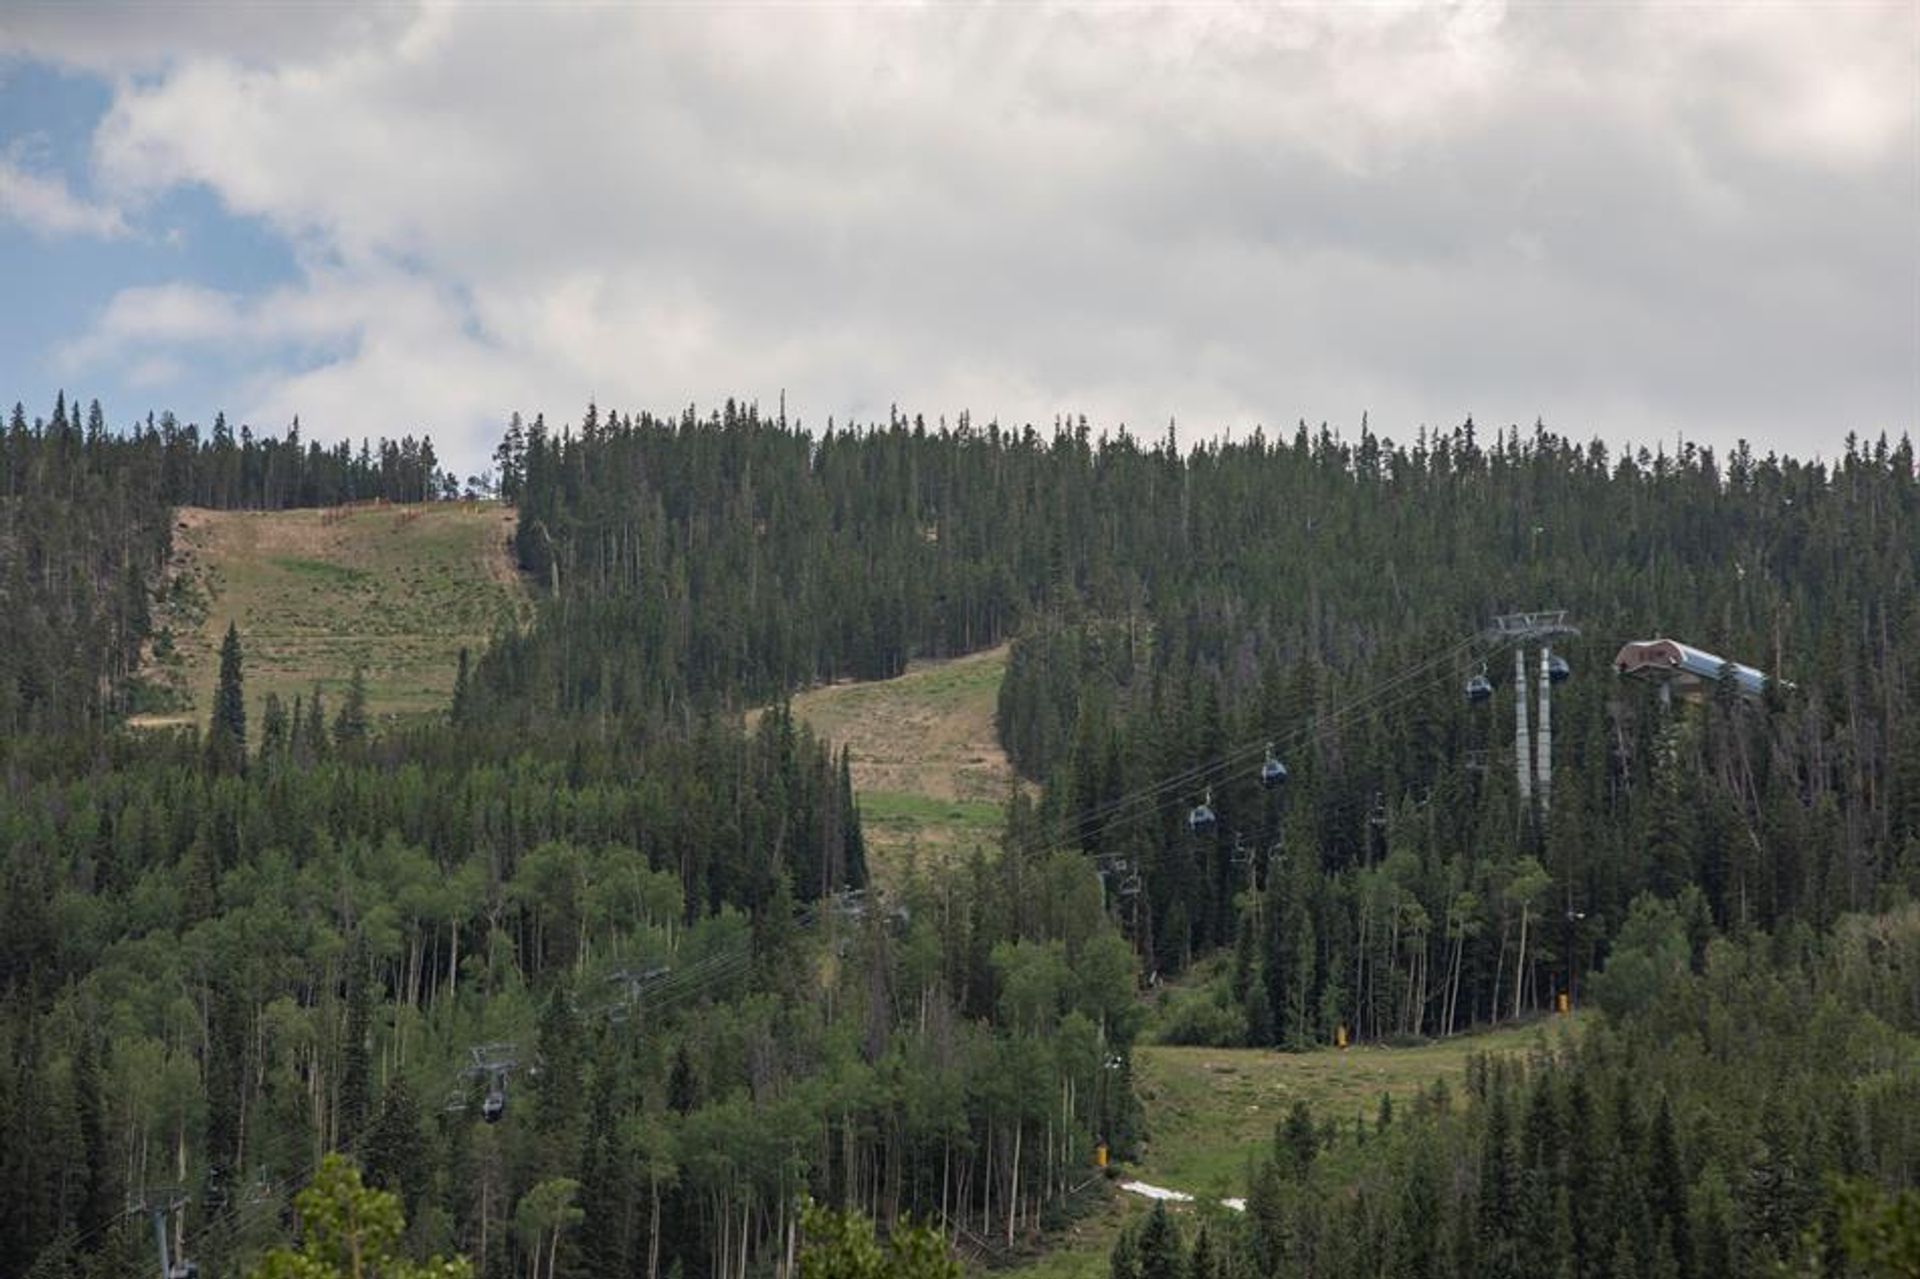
[1202, 819]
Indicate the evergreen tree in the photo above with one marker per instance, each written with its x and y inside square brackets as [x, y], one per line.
[1667, 1189]
[1161, 1254]
[356, 1073]
[1124, 1261]
[227, 731]
[460, 712]
[558, 1087]
[1296, 1142]
[392, 1151]
[275, 732]
[350, 724]
[683, 1086]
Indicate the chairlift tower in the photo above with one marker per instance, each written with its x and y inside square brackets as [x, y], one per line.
[1521, 629]
[163, 1204]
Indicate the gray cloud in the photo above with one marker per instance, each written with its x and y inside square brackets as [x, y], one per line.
[1632, 222]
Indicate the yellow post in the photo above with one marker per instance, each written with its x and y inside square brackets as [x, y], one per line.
[1340, 1035]
[1565, 1005]
[1100, 1155]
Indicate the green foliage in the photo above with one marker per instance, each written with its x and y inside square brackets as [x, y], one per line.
[227, 733]
[595, 864]
[351, 1231]
[1161, 1251]
[1879, 1231]
[841, 1245]
[350, 723]
[1648, 957]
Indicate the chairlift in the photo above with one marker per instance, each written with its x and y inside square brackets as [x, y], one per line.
[1557, 669]
[1202, 818]
[1479, 688]
[1272, 772]
[494, 1106]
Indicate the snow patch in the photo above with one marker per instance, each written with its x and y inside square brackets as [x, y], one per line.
[1148, 1191]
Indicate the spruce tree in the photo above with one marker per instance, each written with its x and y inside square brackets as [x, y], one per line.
[557, 1096]
[319, 745]
[1161, 1254]
[1667, 1187]
[1124, 1261]
[227, 732]
[274, 729]
[394, 1158]
[462, 710]
[1296, 1142]
[350, 725]
[683, 1087]
[356, 1074]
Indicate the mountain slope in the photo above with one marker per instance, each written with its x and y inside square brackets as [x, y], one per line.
[398, 589]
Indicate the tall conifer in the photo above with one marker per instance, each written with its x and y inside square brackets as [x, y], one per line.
[227, 733]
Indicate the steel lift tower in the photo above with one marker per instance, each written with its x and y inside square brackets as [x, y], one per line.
[1520, 630]
[162, 1203]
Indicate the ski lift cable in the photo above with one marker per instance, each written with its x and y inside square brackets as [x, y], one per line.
[1089, 819]
[1142, 804]
[1115, 811]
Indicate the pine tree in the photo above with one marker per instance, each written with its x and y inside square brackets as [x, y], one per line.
[854, 850]
[1667, 1188]
[1124, 1261]
[683, 1086]
[97, 1206]
[393, 1155]
[1499, 1188]
[557, 1095]
[227, 732]
[319, 745]
[356, 1073]
[1203, 1265]
[461, 711]
[1296, 1141]
[1161, 1253]
[350, 725]
[274, 729]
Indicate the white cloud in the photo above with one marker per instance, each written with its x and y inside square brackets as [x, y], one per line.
[1626, 220]
[154, 372]
[43, 204]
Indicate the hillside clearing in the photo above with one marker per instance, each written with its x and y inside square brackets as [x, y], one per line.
[1210, 1111]
[396, 589]
[928, 769]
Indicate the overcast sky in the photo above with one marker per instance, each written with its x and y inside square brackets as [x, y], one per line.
[1633, 223]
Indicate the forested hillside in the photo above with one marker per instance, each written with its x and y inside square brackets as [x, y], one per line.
[590, 897]
[86, 532]
[1322, 595]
